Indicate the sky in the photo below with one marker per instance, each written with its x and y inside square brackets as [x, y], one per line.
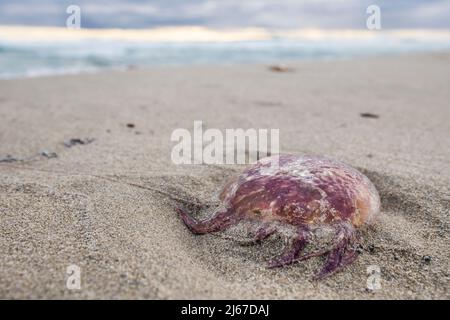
[276, 14]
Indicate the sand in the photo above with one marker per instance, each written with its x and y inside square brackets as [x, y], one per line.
[108, 206]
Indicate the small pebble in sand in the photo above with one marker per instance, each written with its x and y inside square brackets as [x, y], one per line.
[280, 68]
[8, 159]
[297, 197]
[426, 259]
[77, 141]
[360, 249]
[369, 115]
[48, 154]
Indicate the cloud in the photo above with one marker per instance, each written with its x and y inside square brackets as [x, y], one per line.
[229, 13]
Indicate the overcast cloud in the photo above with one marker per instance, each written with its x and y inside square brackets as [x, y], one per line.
[228, 13]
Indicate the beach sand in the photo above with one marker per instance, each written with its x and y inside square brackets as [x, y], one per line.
[109, 206]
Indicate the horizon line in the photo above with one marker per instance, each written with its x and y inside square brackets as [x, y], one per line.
[195, 33]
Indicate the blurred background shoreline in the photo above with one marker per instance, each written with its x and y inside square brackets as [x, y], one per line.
[36, 38]
[42, 51]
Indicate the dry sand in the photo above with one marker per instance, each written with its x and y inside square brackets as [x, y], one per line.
[108, 206]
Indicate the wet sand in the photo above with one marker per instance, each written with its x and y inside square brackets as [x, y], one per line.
[108, 205]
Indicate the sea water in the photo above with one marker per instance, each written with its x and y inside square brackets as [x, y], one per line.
[37, 58]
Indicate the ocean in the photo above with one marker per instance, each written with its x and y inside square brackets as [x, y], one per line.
[32, 57]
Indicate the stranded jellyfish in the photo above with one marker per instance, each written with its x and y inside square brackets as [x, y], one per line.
[295, 196]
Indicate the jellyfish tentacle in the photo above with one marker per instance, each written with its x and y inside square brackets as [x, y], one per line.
[292, 251]
[264, 232]
[312, 255]
[260, 234]
[221, 220]
[343, 253]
